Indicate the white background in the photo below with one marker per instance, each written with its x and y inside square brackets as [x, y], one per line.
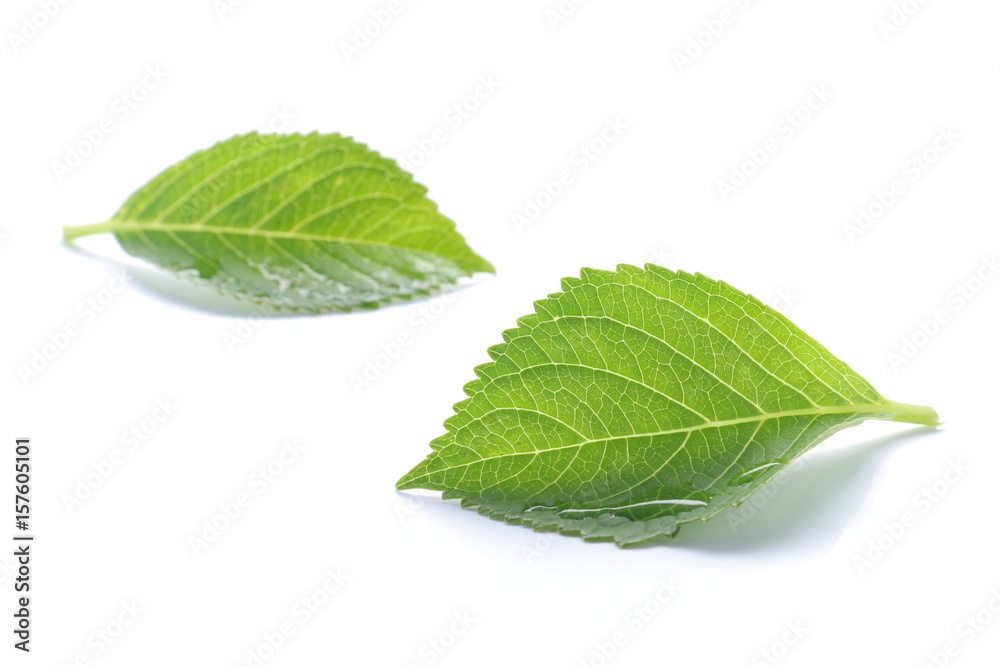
[652, 195]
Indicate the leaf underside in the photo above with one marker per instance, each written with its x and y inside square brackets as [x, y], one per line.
[301, 222]
[640, 399]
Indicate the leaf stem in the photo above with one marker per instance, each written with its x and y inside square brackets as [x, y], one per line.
[913, 414]
[70, 233]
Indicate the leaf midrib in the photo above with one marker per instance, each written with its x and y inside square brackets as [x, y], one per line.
[181, 228]
[870, 408]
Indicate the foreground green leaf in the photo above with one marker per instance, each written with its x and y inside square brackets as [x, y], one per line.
[637, 400]
[315, 223]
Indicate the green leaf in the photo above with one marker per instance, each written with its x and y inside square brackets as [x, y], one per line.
[315, 223]
[637, 400]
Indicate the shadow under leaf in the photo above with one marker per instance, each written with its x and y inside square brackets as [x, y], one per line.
[808, 509]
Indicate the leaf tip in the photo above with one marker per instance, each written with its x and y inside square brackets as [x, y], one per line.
[484, 266]
[411, 480]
